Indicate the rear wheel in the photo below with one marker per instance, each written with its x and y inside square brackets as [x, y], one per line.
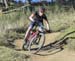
[36, 43]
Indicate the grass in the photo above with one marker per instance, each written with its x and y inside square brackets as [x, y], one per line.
[58, 20]
[12, 20]
[7, 54]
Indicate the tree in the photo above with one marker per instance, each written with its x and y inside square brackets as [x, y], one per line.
[73, 3]
[6, 4]
[30, 7]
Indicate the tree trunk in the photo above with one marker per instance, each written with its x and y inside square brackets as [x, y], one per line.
[6, 4]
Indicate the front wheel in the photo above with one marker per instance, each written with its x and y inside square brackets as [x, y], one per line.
[36, 43]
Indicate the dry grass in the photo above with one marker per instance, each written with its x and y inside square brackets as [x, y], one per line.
[12, 20]
[7, 54]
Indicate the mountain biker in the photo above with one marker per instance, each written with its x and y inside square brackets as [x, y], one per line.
[37, 18]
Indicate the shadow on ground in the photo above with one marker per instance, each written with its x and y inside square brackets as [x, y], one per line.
[55, 47]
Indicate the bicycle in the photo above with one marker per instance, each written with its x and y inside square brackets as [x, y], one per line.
[35, 41]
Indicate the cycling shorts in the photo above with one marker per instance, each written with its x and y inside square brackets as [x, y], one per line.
[39, 24]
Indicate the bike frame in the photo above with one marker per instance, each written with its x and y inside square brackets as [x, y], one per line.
[32, 34]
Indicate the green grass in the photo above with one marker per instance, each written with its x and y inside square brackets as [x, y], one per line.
[7, 54]
[58, 20]
[61, 20]
[12, 20]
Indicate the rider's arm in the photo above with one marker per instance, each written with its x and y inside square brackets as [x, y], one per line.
[47, 23]
[31, 17]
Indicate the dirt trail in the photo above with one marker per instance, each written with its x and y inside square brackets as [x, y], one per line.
[49, 38]
[63, 55]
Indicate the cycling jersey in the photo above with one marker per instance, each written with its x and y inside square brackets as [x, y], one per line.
[39, 18]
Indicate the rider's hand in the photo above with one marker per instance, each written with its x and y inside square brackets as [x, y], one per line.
[48, 31]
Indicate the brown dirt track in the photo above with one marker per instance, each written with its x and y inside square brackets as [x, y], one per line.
[64, 55]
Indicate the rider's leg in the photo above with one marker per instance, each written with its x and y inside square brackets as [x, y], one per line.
[41, 27]
[28, 30]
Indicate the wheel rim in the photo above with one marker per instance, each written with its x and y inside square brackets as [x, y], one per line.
[34, 48]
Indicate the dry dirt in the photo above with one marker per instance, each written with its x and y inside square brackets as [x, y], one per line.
[64, 55]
